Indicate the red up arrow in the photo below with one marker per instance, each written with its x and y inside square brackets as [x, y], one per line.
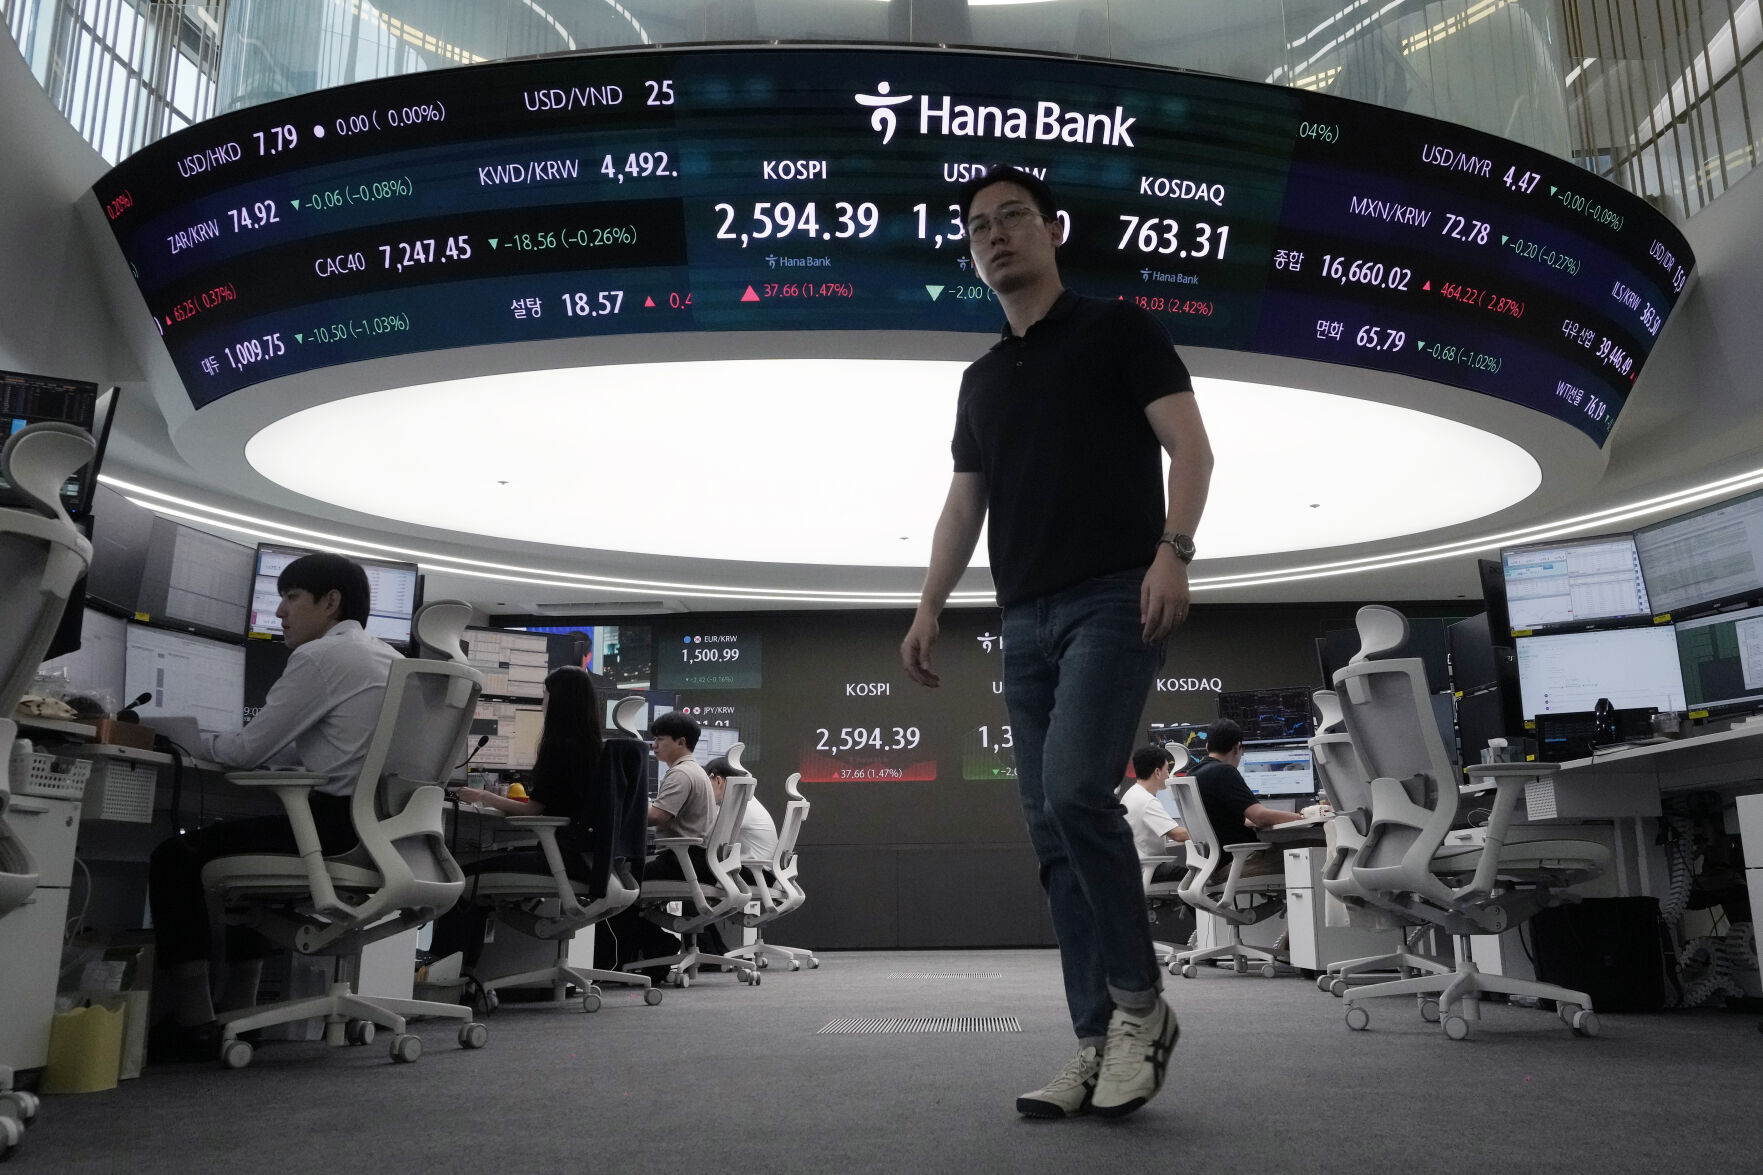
[649, 303]
[1427, 286]
[749, 296]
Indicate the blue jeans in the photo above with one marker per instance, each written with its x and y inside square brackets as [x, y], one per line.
[1076, 673]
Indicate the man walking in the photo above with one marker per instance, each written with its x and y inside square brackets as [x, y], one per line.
[1059, 431]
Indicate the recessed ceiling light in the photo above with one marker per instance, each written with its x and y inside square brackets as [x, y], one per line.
[816, 461]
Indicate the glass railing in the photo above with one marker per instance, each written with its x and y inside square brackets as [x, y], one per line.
[1652, 95]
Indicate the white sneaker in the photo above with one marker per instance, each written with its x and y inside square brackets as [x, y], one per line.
[1134, 1060]
[1068, 1094]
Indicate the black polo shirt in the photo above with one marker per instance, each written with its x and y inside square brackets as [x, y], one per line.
[1055, 421]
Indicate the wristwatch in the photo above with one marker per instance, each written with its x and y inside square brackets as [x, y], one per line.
[1181, 544]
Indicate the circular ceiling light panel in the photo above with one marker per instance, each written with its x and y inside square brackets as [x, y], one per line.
[837, 461]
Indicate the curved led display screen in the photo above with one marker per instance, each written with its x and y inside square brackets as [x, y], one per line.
[805, 188]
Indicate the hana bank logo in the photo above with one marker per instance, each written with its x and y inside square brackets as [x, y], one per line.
[883, 119]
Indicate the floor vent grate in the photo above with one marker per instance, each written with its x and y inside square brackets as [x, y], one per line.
[893, 1025]
[947, 975]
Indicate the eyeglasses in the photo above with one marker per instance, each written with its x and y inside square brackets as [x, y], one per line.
[1006, 218]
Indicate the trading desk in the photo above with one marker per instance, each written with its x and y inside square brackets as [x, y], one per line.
[1625, 784]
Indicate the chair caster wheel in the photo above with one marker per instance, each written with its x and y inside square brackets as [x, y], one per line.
[591, 1001]
[682, 980]
[25, 1103]
[1584, 1023]
[651, 996]
[1456, 1027]
[1429, 1011]
[1268, 970]
[746, 974]
[358, 1032]
[11, 1135]
[1566, 1012]
[1240, 966]
[1358, 1019]
[1337, 987]
[1189, 971]
[1324, 982]
[472, 1035]
[795, 966]
[761, 963]
[813, 963]
[406, 1047]
[235, 1054]
[756, 978]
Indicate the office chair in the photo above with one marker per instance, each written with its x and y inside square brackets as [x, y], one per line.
[1467, 882]
[782, 896]
[1160, 895]
[43, 555]
[399, 876]
[552, 905]
[1348, 792]
[707, 902]
[1208, 874]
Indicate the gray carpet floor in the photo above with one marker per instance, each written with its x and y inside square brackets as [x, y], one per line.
[725, 1077]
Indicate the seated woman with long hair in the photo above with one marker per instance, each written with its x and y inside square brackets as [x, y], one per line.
[569, 752]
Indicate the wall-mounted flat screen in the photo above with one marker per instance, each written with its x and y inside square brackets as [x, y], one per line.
[809, 188]
[1578, 582]
[1711, 555]
[514, 664]
[1568, 672]
[1270, 715]
[393, 587]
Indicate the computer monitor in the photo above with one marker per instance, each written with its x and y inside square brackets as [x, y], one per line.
[393, 588]
[195, 581]
[1279, 771]
[95, 669]
[1706, 557]
[513, 729]
[1569, 672]
[621, 654]
[1186, 734]
[33, 399]
[1722, 660]
[514, 663]
[188, 676]
[1270, 715]
[714, 741]
[1570, 583]
[122, 533]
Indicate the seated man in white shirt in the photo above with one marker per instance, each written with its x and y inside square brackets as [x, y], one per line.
[1154, 831]
[758, 831]
[324, 708]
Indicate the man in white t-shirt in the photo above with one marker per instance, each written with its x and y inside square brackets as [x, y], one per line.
[758, 831]
[1154, 831]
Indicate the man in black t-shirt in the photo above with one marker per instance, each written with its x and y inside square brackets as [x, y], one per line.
[1060, 430]
[1231, 808]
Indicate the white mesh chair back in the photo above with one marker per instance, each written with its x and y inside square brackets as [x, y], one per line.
[725, 829]
[1413, 786]
[421, 735]
[440, 629]
[1205, 857]
[42, 553]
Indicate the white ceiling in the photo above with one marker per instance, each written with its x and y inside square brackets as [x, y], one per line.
[837, 461]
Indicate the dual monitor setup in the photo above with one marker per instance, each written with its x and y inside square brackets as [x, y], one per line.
[1277, 724]
[187, 618]
[1668, 617]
